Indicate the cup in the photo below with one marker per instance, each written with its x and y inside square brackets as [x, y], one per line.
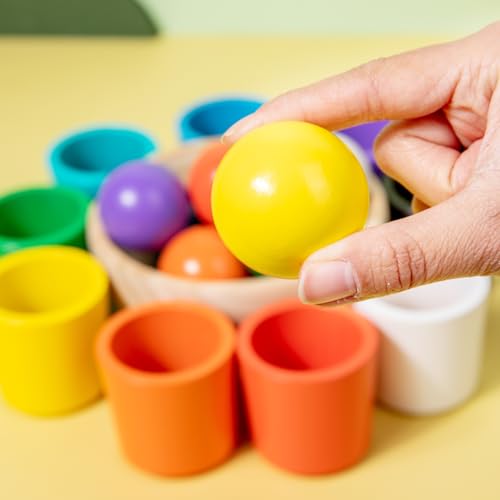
[431, 344]
[168, 370]
[42, 216]
[214, 116]
[84, 158]
[309, 379]
[52, 302]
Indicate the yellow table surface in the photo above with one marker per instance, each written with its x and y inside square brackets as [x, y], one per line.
[48, 86]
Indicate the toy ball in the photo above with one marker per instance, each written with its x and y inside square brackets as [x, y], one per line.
[200, 180]
[142, 206]
[198, 252]
[285, 190]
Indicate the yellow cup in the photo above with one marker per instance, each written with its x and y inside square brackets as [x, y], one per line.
[52, 302]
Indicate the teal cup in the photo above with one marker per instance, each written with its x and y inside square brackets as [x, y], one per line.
[83, 159]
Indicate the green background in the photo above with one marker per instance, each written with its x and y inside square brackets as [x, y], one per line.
[322, 16]
[250, 17]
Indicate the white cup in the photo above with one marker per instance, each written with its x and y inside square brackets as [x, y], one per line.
[432, 344]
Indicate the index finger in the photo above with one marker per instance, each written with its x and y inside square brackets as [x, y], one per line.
[404, 86]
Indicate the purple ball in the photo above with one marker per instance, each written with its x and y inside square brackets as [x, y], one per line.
[365, 135]
[143, 205]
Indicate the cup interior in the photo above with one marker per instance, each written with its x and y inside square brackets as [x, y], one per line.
[36, 212]
[216, 117]
[104, 149]
[306, 339]
[47, 281]
[167, 341]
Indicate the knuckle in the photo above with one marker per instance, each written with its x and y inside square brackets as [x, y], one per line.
[402, 263]
[489, 258]
[370, 73]
[482, 233]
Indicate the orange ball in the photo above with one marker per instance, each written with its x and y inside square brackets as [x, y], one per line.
[198, 252]
[201, 178]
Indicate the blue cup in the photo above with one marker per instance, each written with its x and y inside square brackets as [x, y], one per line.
[83, 159]
[213, 117]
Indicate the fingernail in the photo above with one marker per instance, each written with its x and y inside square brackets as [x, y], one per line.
[227, 135]
[238, 129]
[323, 282]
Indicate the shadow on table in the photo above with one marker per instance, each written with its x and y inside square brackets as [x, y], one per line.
[391, 429]
[490, 377]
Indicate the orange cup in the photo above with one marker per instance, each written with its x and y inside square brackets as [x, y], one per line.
[309, 377]
[168, 371]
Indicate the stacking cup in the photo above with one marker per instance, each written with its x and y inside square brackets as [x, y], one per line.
[169, 375]
[42, 216]
[431, 345]
[214, 116]
[52, 302]
[309, 379]
[84, 158]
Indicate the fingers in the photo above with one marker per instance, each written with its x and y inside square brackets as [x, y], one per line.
[425, 156]
[456, 238]
[399, 87]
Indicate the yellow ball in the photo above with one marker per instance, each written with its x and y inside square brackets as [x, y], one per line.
[285, 190]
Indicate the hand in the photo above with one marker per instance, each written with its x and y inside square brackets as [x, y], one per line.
[443, 146]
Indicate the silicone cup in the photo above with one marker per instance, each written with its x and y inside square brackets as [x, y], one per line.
[52, 302]
[84, 158]
[431, 348]
[169, 374]
[309, 380]
[214, 116]
[42, 216]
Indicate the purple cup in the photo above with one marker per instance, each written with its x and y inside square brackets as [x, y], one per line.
[143, 205]
[365, 135]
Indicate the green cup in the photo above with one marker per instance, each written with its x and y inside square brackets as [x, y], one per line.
[42, 216]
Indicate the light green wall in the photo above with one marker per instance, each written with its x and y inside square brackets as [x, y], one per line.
[322, 16]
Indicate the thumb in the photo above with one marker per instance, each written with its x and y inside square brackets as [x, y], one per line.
[449, 240]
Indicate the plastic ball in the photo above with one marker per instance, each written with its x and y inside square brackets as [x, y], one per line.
[285, 190]
[143, 205]
[200, 180]
[198, 253]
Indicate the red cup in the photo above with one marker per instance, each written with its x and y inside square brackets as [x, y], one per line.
[309, 377]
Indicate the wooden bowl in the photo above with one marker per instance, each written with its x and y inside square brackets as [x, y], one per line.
[134, 282]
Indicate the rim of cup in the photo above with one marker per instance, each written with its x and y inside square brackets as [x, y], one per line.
[57, 194]
[366, 348]
[114, 327]
[404, 306]
[185, 117]
[95, 289]
[58, 148]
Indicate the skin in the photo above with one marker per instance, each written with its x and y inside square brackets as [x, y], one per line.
[443, 145]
